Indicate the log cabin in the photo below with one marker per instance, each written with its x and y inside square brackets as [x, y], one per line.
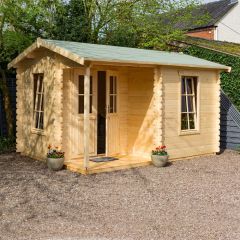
[97, 100]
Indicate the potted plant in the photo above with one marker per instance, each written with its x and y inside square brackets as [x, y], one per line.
[160, 156]
[55, 158]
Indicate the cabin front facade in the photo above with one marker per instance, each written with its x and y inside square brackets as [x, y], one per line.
[95, 100]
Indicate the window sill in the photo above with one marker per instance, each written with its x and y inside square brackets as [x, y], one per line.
[38, 131]
[192, 132]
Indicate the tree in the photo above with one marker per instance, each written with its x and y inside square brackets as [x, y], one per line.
[154, 23]
[86, 20]
[21, 22]
[134, 23]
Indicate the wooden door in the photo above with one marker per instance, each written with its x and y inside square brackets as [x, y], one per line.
[112, 119]
[77, 127]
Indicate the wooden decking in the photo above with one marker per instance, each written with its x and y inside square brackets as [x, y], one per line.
[123, 162]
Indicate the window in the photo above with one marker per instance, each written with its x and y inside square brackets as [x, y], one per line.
[38, 101]
[189, 103]
[113, 95]
[81, 94]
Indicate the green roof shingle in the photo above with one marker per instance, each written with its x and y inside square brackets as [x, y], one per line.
[106, 53]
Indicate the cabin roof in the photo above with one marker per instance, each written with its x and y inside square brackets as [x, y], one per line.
[81, 52]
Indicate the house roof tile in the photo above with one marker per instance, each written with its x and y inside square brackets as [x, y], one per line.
[214, 12]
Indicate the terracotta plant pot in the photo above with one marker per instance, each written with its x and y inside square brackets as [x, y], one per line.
[159, 161]
[55, 164]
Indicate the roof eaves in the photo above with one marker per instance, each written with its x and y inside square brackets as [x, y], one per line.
[62, 51]
[219, 67]
[202, 27]
[22, 55]
[41, 43]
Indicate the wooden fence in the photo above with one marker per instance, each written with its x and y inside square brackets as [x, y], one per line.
[230, 124]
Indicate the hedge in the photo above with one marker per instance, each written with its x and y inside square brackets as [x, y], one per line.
[230, 82]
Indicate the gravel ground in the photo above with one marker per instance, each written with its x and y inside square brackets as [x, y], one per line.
[193, 199]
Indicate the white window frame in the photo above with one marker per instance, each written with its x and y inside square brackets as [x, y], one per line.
[39, 95]
[196, 105]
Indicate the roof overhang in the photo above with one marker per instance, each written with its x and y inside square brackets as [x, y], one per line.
[41, 43]
[130, 63]
[84, 60]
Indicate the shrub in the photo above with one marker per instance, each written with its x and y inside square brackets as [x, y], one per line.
[230, 82]
[7, 144]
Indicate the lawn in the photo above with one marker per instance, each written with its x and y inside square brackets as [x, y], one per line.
[192, 199]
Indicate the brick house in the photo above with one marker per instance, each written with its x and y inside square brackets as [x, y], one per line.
[223, 23]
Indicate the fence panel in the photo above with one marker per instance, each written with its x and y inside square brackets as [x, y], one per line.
[230, 124]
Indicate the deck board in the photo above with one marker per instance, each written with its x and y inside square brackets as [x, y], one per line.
[123, 162]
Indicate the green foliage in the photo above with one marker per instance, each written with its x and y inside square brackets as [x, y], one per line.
[7, 144]
[230, 82]
[132, 23]
[14, 43]
[227, 47]
[21, 22]
[72, 22]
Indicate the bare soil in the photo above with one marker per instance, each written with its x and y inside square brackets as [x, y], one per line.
[191, 200]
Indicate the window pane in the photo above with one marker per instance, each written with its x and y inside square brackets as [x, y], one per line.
[184, 104]
[184, 122]
[115, 85]
[111, 84]
[195, 83]
[81, 84]
[38, 101]
[80, 104]
[40, 87]
[36, 119]
[190, 104]
[191, 121]
[115, 104]
[90, 110]
[42, 106]
[189, 86]
[91, 85]
[111, 104]
[41, 120]
[35, 90]
[81, 97]
[183, 86]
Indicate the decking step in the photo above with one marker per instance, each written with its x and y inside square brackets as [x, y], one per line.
[107, 167]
